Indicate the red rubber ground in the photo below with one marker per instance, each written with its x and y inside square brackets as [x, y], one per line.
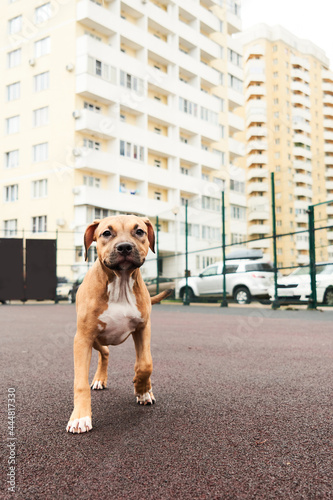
[244, 408]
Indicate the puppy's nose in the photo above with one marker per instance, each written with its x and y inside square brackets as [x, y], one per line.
[124, 248]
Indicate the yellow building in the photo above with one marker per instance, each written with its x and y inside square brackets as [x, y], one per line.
[289, 131]
[120, 106]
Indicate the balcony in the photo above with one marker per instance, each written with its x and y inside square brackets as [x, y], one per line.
[328, 111]
[257, 187]
[301, 99]
[260, 244]
[301, 74]
[258, 215]
[96, 17]
[329, 171]
[328, 87]
[328, 160]
[329, 185]
[257, 173]
[198, 156]
[328, 123]
[303, 139]
[302, 259]
[255, 50]
[328, 147]
[236, 148]
[300, 114]
[256, 132]
[256, 145]
[328, 135]
[303, 192]
[93, 87]
[235, 122]
[300, 61]
[259, 229]
[95, 124]
[327, 98]
[302, 245]
[302, 152]
[301, 219]
[256, 159]
[255, 90]
[303, 179]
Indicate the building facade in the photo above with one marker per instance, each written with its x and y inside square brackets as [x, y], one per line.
[288, 131]
[118, 107]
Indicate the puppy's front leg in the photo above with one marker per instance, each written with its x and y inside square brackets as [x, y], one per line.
[80, 420]
[143, 366]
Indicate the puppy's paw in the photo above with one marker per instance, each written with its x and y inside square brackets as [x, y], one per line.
[79, 425]
[147, 398]
[98, 384]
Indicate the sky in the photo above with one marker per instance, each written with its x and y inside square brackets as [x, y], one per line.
[310, 19]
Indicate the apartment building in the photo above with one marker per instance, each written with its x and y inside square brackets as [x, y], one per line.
[288, 130]
[122, 106]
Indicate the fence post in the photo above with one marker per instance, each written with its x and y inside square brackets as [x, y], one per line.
[157, 258]
[275, 304]
[186, 301]
[56, 257]
[312, 304]
[224, 302]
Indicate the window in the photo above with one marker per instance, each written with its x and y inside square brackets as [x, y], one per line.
[209, 116]
[92, 107]
[235, 83]
[157, 130]
[237, 212]
[237, 186]
[11, 193]
[237, 238]
[92, 35]
[131, 82]
[40, 117]
[40, 152]
[210, 233]
[208, 203]
[15, 25]
[192, 229]
[184, 171]
[188, 107]
[39, 188]
[157, 195]
[13, 91]
[39, 224]
[13, 125]
[43, 46]
[14, 58]
[101, 69]
[235, 58]
[89, 180]
[41, 81]
[157, 163]
[10, 227]
[132, 151]
[43, 13]
[12, 159]
[183, 139]
[90, 144]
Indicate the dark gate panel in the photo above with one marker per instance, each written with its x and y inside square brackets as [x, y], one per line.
[11, 269]
[41, 274]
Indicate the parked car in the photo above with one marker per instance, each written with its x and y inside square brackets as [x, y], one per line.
[164, 284]
[73, 291]
[63, 288]
[296, 287]
[246, 279]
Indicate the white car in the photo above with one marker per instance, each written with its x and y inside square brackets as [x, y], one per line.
[296, 287]
[245, 279]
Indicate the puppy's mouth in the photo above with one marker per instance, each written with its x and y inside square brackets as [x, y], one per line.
[118, 262]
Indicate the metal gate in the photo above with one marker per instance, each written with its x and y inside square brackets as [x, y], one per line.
[28, 269]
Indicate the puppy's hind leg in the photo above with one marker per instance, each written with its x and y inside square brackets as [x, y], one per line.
[101, 375]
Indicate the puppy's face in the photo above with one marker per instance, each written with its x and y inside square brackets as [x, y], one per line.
[122, 241]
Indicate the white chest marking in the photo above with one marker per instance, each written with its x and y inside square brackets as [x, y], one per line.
[122, 316]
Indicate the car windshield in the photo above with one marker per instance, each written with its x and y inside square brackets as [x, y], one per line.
[327, 269]
[300, 271]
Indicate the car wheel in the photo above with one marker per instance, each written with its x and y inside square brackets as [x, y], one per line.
[190, 294]
[328, 298]
[70, 298]
[242, 295]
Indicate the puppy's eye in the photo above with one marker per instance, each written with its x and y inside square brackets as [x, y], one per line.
[140, 232]
[106, 233]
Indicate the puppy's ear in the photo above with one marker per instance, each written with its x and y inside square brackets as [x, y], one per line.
[89, 236]
[151, 234]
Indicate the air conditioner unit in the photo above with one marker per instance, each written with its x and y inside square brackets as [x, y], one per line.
[32, 62]
[76, 190]
[76, 114]
[76, 152]
[69, 67]
[60, 222]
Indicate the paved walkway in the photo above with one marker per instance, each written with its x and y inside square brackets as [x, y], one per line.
[244, 408]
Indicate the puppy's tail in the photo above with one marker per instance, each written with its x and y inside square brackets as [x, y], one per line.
[161, 296]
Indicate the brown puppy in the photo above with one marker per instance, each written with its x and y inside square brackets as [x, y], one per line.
[112, 303]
